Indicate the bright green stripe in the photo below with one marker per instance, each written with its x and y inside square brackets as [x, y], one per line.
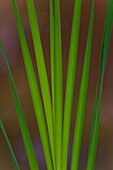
[52, 55]
[70, 80]
[82, 98]
[42, 72]
[10, 148]
[34, 89]
[58, 86]
[105, 48]
[23, 126]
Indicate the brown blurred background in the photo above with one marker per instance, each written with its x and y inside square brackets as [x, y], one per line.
[9, 37]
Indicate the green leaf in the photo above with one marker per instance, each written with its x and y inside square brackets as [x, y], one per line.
[42, 73]
[58, 85]
[82, 98]
[34, 89]
[70, 80]
[10, 148]
[52, 56]
[52, 62]
[104, 53]
[23, 126]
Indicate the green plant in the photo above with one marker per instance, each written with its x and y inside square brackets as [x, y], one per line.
[55, 141]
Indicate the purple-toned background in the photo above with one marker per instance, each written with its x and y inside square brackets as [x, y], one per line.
[9, 37]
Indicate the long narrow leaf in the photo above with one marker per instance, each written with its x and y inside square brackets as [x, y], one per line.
[52, 62]
[10, 148]
[58, 86]
[34, 89]
[52, 56]
[105, 48]
[42, 73]
[70, 80]
[23, 126]
[82, 98]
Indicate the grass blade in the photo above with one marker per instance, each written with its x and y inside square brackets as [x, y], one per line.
[34, 89]
[23, 126]
[42, 73]
[52, 55]
[70, 80]
[52, 62]
[105, 48]
[58, 85]
[10, 148]
[82, 98]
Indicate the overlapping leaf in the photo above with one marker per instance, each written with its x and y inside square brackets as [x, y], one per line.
[33, 89]
[42, 73]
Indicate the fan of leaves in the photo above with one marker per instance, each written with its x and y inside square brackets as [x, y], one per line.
[54, 138]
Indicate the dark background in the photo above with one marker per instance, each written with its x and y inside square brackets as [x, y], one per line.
[9, 37]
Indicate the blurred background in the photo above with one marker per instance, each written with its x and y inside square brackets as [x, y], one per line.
[9, 37]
